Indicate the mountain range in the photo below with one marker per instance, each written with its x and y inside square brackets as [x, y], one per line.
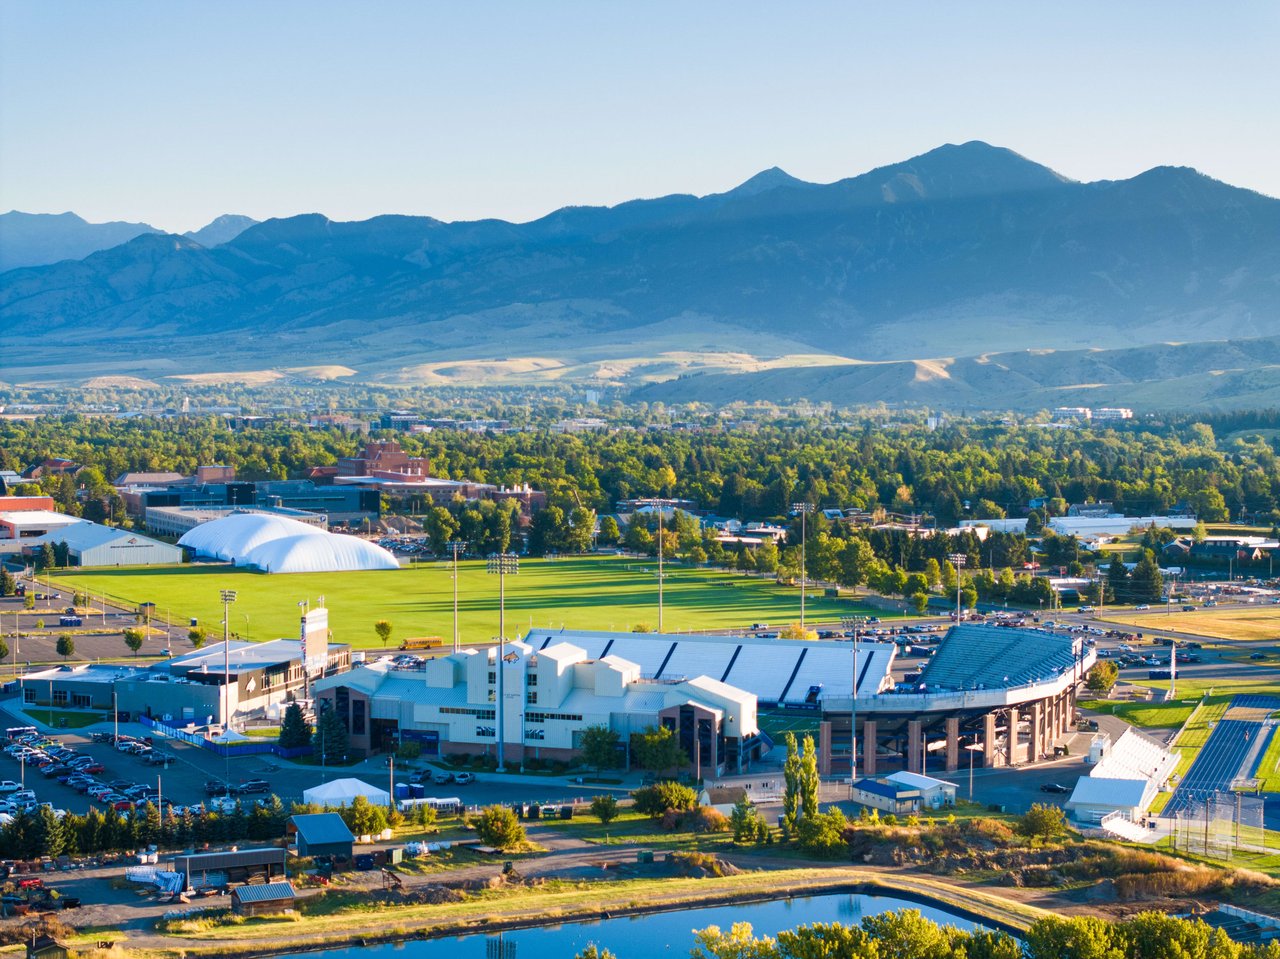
[37, 239]
[967, 251]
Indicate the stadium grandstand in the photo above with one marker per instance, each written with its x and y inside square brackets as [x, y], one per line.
[1123, 784]
[1009, 694]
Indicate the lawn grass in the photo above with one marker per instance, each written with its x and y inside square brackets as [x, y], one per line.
[1269, 766]
[1261, 622]
[1147, 715]
[66, 718]
[579, 593]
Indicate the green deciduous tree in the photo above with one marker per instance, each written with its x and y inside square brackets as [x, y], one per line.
[66, 645]
[605, 807]
[792, 788]
[599, 746]
[383, 630]
[498, 826]
[1103, 676]
[658, 749]
[133, 638]
[1043, 821]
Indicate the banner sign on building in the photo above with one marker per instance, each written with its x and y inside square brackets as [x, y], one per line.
[315, 639]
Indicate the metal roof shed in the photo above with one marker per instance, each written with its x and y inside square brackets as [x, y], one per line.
[263, 899]
[233, 864]
[323, 834]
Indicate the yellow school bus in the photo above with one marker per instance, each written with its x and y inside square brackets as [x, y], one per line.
[422, 642]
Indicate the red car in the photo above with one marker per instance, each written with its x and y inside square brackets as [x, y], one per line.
[122, 805]
[92, 769]
[31, 882]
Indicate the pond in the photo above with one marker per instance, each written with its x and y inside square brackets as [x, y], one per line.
[647, 936]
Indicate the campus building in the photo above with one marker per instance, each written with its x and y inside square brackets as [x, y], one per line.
[551, 694]
[1008, 692]
[194, 688]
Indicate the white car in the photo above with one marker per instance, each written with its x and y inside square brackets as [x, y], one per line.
[1142, 606]
[9, 786]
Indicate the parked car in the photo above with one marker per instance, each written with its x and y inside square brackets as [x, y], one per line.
[9, 786]
[442, 778]
[253, 786]
[1054, 788]
[464, 779]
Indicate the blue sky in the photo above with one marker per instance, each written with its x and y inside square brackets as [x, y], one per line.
[174, 112]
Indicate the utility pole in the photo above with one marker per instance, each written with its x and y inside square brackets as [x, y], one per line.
[456, 546]
[502, 564]
[804, 509]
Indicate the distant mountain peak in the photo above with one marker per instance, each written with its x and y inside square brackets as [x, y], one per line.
[766, 180]
[222, 229]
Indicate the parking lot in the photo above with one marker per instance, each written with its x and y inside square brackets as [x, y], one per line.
[183, 780]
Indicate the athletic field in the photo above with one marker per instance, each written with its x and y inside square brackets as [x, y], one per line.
[1235, 622]
[583, 593]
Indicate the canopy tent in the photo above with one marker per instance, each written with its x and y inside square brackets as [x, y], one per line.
[342, 792]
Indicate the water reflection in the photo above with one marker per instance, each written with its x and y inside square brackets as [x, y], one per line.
[664, 934]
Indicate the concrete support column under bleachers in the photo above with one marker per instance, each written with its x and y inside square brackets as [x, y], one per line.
[953, 743]
[915, 729]
[988, 740]
[868, 749]
[1011, 737]
[824, 749]
[1035, 743]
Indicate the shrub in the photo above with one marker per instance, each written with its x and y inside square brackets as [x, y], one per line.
[605, 808]
[655, 800]
[706, 819]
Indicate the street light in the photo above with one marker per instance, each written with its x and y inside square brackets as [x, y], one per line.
[804, 509]
[502, 564]
[456, 546]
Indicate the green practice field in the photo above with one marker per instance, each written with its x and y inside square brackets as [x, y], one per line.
[584, 593]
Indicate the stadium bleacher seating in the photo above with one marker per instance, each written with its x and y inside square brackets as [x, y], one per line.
[975, 656]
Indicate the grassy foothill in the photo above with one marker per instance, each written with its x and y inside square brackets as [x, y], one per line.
[579, 593]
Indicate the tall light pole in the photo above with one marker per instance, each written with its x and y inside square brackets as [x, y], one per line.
[958, 560]
[456, 546]
[659, 504]
[804, 509]
[228, 597]
[502, 564]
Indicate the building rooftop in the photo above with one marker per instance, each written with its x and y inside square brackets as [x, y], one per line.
[320, 828]
[266, 892]
[774, 671]
[917, 781]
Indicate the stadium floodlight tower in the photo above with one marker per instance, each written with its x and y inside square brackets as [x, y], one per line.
[456, 547]
[502, 564]
[804, 509]
[959, 561]
[660, 505]
[228, 597]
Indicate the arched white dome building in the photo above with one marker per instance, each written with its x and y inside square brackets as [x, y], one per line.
[277, 544]
[326, 553]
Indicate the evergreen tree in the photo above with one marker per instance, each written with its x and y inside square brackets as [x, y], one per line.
[1117, 582]
[295, 731]
[1146, 585]
[332, 735]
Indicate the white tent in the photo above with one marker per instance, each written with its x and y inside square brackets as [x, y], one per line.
[341, 792]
